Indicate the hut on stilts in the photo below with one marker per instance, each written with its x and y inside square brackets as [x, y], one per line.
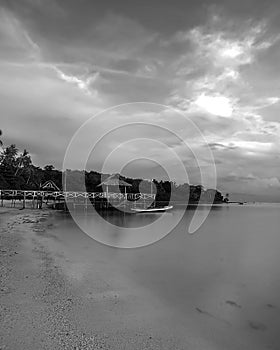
[118, 197]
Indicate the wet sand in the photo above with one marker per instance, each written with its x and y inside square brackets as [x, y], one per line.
[36, 299]
[42, 307]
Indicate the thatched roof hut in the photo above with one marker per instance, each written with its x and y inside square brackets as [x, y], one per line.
[49, 186]
[114, 180]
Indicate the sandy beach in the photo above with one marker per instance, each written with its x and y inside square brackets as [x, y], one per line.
[36, 299]
[42, 308]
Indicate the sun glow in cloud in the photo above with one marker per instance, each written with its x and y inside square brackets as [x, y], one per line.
[232, 52]
[216, 105]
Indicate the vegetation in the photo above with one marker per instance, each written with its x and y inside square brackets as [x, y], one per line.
[17, 172]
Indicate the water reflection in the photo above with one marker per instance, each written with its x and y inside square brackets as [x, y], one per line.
[123, 219]
[222, 282]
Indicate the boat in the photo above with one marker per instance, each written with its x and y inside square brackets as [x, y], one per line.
[152, 210]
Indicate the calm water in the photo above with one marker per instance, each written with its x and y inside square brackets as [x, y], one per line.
[216, 289]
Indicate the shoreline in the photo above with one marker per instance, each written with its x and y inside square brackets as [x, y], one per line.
[36, 297]
[61, 289]
[44, 307]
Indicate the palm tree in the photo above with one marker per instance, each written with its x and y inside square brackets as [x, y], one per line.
[9, 156]
[23, 161]
[8, 164]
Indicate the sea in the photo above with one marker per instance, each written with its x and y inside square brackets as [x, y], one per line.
[215, 288]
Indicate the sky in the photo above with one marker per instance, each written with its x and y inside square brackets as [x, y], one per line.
[206, 74]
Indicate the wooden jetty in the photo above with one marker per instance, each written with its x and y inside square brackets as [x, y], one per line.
[76, 199]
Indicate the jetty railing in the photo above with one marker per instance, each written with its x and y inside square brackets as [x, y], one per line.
[37, 198]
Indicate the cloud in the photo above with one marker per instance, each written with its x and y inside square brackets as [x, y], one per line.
[217, 105]
[14, 39]
[43, 108]
[84, 83]
[59, 67]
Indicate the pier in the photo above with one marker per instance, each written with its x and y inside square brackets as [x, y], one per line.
[76, 199]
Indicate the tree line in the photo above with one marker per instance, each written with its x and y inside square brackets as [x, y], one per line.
[17, 172]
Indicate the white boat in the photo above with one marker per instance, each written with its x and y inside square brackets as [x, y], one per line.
[152, 210]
